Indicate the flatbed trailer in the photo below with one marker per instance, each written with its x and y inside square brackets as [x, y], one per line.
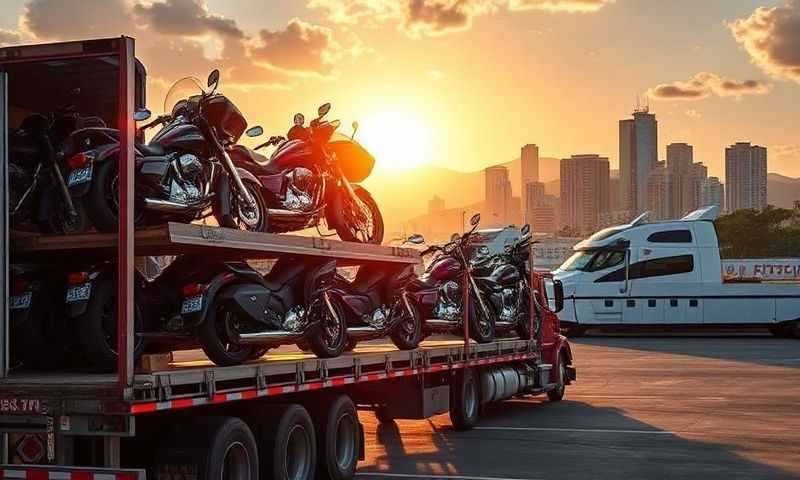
[285, 415]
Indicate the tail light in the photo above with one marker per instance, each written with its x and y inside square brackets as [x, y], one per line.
[76, 278]
[20, 286]
[193, 289]
[79, 160]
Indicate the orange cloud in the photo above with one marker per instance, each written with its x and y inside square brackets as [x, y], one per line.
[705, 84]
[771, 36]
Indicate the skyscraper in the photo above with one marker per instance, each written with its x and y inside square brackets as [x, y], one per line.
[638, 154]
[699, 178]
[498, 195]
[745, 177]
[680, 163]
[713, 193]
[661, 191]
[540, 209]
[529, 158]
[584, 191]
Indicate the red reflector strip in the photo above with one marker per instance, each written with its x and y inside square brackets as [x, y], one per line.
[141, 408]
[43, 473]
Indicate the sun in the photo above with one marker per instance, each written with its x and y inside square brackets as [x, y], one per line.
[398, 139]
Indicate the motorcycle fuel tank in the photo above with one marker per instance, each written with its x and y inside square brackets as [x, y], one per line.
[290, 154]
[505, 275]
[444, 268]
[183, 137]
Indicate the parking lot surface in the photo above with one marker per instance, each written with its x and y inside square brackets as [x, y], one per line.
[697, 407]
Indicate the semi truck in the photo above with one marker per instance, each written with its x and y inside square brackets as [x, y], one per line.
[668, 274]
[286, 415]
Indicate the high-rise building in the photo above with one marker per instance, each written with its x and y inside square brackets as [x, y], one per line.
[638, 154]
[745, 177]
[614, 194]
[660, 192]
[680, 163]
[498, 195]
[540, 209]
[584, 191]
[698, 178]
[713, 193]
[529, 159]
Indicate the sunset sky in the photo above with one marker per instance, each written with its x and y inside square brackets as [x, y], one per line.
[463, 84]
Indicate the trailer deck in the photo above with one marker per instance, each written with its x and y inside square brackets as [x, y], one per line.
[192, 380]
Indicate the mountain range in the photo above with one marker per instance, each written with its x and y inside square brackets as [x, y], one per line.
[404, 195]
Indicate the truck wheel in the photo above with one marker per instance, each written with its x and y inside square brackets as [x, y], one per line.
[287, 443]
[222, 448]
[338, 439]
[557, 393]
[779, 330]
[464, 400]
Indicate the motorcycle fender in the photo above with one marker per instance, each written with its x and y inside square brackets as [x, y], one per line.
[246, 175]
[101, 155]
[223, 189]
[209, 300]
[247, 300]
[319, 279]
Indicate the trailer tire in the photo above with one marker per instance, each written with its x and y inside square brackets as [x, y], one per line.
[557, 394]
[287, 443]
[338, 439]
[464, 400]
[215, 444]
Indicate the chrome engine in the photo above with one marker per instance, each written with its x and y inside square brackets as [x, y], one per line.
[377, 319]
[509, 310]
[299, 190]
[295, 320]
[448, 305]
[183, 188]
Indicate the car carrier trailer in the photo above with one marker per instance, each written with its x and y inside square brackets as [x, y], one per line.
[286, 415]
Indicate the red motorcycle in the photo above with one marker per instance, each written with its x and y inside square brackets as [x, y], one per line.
[312, 176]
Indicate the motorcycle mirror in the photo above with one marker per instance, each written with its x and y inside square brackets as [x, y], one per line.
[141, 115]
[526, 229]
[254, 131]
[416, 239]
[475, 220]
[323, 109]
[355, 129]
[213, 79]
[299, 119]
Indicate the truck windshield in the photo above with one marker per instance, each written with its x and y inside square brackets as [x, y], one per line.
[593, 260]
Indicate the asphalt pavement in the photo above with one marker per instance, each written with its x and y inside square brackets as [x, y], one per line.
[695, 407]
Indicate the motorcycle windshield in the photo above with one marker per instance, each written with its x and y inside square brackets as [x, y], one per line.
[180, 91]
[356, 162]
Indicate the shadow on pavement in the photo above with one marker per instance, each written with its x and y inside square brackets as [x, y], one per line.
[566, 440]
[762, 350]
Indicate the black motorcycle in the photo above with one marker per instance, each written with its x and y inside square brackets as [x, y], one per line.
[38, 191]
[238, 314]
[375, 306]
[312, 176]
[438, 293]
[184, 173]
[503, 277]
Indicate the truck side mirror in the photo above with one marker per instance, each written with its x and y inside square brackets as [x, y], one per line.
[558, 288]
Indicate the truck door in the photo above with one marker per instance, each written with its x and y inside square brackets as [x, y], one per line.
[663, 281]
[603, 296]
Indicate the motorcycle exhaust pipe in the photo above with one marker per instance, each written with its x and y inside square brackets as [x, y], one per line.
[363, 333]
[279, 213]
[269, 338]
[437, 324]
[165, 205]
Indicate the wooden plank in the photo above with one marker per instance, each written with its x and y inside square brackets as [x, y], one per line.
[177, 238]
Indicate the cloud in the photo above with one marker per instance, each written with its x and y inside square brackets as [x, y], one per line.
[705, 84]
[437, 17]
[75, 19]
[570, 6]
[9, 37]
[771, 36]
[694, 114]
[300, 47]
[185, 17]
[786, 150]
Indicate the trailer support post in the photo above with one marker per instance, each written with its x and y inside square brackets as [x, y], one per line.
[111, 457]
[125, 259]
[465, 311]
[5, 339]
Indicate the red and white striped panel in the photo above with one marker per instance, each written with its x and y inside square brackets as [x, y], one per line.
[140, 408]
[34, 472]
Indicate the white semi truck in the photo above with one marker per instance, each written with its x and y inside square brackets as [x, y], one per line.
[667, 273]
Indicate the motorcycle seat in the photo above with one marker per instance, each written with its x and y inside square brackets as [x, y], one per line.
[254, 161]
[487, 281]
[421, 283]
[150, 149]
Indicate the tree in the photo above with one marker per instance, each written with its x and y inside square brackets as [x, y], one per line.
[772, 232]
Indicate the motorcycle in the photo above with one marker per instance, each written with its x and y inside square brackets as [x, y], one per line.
[375, 306]
[312, 176]
[184, 173]
[37, 189]
[438, 292]
[238, 314]
[503, 278]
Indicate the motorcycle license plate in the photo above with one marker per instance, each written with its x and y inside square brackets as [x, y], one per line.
[20, 302]
[79, 293]
[192, 304]
[79, 176]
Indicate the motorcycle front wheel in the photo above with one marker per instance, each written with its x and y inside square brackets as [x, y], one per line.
[481, 327]
[329, 338]
[359, 221]
[103, 197]
[242, 216]
[407, 334]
